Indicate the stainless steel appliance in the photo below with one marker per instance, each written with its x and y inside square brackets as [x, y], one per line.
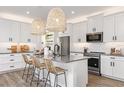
[65, 45]
[94, 62]
[94, 37]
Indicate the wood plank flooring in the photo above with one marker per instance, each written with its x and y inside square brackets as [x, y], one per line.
[14, 79]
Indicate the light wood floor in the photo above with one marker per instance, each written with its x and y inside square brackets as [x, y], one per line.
[14, 79]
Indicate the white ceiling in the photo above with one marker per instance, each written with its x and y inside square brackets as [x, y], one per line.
[42, 11]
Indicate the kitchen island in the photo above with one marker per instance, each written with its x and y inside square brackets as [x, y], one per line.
[76, 70]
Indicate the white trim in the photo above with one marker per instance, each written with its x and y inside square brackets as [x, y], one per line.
[16, 17]
[104, 12]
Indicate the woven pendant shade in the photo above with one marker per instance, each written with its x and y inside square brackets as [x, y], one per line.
[38, 26]
[56, 21]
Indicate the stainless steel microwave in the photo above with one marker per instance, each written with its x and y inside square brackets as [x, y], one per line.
[94, 37]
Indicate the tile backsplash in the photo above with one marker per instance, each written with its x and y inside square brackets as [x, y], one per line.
[98, 47]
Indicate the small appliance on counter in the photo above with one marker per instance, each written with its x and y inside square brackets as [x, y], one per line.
[24, 48]
[13, 49]
[116, 51]
[85, 50]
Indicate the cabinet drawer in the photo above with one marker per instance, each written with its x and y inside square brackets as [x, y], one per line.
[11, 66]
[10, 60]
[112, 58]
[5, 67]
[19, 65]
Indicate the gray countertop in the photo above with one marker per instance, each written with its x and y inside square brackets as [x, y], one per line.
[73, 57]
[70, 58]
[15, 53]
[113, 55]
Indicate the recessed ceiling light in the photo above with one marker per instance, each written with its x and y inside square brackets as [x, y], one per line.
[27, 12]
[72, 12]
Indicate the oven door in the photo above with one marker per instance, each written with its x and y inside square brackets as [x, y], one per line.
[93, 64]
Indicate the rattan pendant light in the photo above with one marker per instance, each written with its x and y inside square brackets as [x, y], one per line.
[56, 20]
[38, 26]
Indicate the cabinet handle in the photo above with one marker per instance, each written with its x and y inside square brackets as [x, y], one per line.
[11, 66]
[113, 64]
[113, 38]
[11, 39]
[112, 57]
[11, 55]
[11, 59]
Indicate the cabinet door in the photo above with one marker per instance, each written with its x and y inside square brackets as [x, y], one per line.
[95, 24]
[76, 33]
[119, 27]
[118, 69]
[67, 32]
[83, 30]
[15, 32]
[4, 30]
[106, 66]
[25, 35]
[79, 32]
[108, 29]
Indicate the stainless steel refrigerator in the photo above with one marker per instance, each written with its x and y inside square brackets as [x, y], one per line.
[65, 45]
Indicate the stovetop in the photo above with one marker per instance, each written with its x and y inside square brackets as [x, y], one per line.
[93, 54]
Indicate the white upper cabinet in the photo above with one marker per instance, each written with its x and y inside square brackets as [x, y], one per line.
[95, 24]
[119, 27]
[108, 29]
[25, 35]
[79, 32]
[4, 30]
[67, 32]
[114, 28]
[15, 32]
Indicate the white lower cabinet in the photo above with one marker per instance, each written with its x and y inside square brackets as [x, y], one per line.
[106, 65]
[10, 62]
[112, 67]
[118, 70]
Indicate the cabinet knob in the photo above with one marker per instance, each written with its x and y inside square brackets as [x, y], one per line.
[113, 38]
[11, 55]
[12, 66]
[112, 57]
[11, 59]
[111, 64]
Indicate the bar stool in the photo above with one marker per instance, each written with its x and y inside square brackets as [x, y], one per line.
[54, 70]
[27, 66]
[40, 67]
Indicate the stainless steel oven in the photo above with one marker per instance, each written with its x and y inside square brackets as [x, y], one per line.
[94, 37]
[94, 65]
[94, 62]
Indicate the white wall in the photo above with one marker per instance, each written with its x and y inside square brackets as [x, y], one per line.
[98, 47]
